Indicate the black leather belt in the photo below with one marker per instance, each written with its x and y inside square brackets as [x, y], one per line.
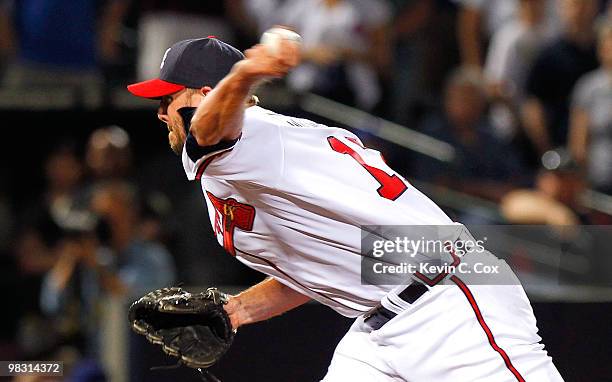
[379, 316]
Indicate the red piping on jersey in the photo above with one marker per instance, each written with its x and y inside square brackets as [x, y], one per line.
[206, 162]
[468, 294]
[294, 280]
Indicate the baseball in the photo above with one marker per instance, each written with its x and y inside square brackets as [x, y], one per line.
[273, 37]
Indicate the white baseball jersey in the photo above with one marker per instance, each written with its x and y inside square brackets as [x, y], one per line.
[288, 199]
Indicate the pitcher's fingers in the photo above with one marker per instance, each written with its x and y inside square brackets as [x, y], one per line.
[290, 52]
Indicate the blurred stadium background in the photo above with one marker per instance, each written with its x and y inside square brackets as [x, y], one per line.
[500, 110]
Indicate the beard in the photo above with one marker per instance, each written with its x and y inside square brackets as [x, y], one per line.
[176, 136]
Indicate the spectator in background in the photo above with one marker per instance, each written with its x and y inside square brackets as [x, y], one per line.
[375, 19]
[555, 198]
[164, 22]
[156, 208]
[479, 20]
[262, 14]
[64, 175]
[141, 265]
[57, 43]
[97, 259]
[37, 237]
[511, 53]
[335, 51]
[484, 166]
[34, 244]
[590, 139]
[109, 155]
[555, 72]
[408, 32]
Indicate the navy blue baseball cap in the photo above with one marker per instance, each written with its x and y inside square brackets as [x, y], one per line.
[190, 64]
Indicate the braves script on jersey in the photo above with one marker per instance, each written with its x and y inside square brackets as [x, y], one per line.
[288, 199]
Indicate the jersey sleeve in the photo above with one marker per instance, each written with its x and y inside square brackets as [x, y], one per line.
[255, 157]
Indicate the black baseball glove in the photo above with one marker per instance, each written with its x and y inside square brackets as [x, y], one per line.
[192, 327]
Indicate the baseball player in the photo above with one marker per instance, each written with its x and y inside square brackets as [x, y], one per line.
[288, 197]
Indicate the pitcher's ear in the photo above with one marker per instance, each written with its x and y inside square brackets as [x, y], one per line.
[205, 89]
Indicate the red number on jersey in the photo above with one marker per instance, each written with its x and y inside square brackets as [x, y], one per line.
[234, 215]
[391, 186]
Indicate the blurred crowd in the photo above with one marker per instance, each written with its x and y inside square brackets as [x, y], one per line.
[503, 80]
[91, 237]
[522, 89]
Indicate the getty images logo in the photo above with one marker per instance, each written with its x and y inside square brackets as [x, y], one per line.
[164, 59]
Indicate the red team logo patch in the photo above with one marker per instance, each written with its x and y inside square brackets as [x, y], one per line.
[229, 215]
